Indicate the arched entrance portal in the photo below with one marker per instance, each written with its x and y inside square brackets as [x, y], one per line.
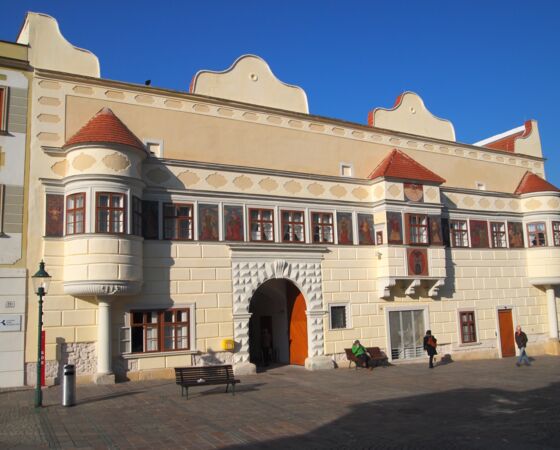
[278, 324]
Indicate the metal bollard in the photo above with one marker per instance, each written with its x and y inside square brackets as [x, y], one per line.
[69, 385]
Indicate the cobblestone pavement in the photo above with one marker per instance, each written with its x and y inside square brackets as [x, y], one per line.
[474, 404]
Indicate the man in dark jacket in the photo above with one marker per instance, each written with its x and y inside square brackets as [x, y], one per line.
[430, 344]
[521, 341]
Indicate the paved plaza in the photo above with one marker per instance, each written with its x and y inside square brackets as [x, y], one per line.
[472, 404]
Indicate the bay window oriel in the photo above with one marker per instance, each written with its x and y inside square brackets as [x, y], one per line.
[536, 234]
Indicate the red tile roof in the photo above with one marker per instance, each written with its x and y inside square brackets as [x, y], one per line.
[399, 165]
[533, 183]
[105, 128]
[507, 143]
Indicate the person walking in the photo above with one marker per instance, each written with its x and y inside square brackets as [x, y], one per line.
[521, 341]
[430, 344]
[361, 353]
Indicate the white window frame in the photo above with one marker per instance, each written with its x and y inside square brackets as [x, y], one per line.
[125, 337]
[459, 334]
[348, 315]
[348, 165]
[148, 141]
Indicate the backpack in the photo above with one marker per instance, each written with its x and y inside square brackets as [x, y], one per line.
[432, 342]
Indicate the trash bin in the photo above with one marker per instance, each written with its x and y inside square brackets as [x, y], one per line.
[69, 385]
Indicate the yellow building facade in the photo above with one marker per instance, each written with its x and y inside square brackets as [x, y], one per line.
[174, 222]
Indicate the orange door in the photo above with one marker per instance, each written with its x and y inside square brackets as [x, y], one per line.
[298, 332]
[506, 332]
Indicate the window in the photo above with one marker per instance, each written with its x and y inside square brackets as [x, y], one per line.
[136, 216]
[338, 317]
[536, 234]
[154, 148]
[498, 231]
[160, 330]
[346, 169]
[3, 108]
[417, 229]
[75, 213]
[293, 226]
[480, 186]
[178, 221]
[261, 223]
[459, 233]
[150, 219]
[111, 213]
[468, 328]
[322, 227]
[555, 233]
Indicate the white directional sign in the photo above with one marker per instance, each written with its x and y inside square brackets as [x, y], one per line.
[10, 322]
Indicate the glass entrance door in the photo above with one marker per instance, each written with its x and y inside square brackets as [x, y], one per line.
[407, 333]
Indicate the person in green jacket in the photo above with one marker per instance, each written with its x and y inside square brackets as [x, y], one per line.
[361, 353]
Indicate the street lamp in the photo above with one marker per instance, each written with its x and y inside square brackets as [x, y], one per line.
[41, 281]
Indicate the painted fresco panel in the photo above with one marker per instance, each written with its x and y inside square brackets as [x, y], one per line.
[344, 224]
[233, 223]
[365, 229]
[394, 228]
[208, 222]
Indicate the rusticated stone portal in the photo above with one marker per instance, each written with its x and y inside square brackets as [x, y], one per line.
[250, 274]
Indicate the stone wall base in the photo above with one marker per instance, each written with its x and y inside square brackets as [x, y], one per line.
[319, 363]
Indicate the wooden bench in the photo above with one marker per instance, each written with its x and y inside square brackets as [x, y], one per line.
[204, 375]
[375, 353]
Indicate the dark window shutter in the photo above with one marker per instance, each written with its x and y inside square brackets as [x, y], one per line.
[445, 232]
[406, 239]
[55, 215]
[150, 219]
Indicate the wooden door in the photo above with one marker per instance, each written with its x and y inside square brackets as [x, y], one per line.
[506, 332]
[298, 332]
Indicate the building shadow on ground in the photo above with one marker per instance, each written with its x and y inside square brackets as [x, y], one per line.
[462, 418]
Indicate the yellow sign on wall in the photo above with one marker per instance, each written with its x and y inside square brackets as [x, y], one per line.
[228, 344]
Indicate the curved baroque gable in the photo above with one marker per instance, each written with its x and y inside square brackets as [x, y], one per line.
[410, 115]
[250, 80]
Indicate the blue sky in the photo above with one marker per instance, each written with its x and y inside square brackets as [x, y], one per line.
[485, 65]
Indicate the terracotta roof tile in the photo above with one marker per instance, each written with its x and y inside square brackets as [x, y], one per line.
[399, 165]
[105, 128]
[533, 183]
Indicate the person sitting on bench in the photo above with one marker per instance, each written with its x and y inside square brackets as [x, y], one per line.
[361, 353]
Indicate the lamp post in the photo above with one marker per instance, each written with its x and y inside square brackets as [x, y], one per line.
[41, 281]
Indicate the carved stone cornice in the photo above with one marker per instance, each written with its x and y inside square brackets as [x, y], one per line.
[109, 288]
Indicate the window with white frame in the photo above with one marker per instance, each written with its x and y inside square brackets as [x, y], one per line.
[459, 233]
[338, 316]
[498, 232]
